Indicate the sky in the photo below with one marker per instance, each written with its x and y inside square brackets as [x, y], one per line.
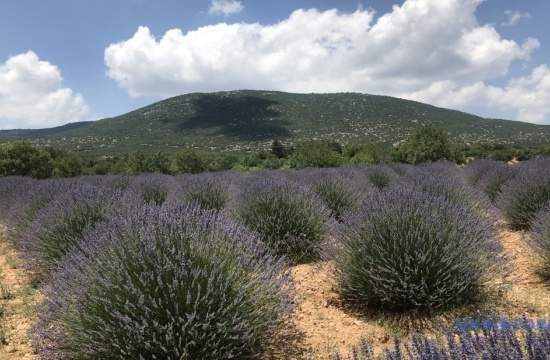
[64, 61]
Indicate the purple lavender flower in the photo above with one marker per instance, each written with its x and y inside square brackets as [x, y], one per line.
[164, 283]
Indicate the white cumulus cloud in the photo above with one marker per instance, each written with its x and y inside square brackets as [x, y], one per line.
[406, 52]
[526, 96]
[225, 7]
[514, 17]
[32, 95]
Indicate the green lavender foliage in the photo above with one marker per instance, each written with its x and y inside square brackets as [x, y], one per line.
[171, 283]
[290, 219]
[406, 250]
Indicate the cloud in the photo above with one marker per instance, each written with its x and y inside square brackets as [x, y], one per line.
[406, 52]
[527, 96]
[32, 96]
[225, 7]
[514, 17]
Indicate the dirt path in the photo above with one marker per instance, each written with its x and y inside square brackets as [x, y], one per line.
[528, 294]
[327, 327]
[17, 301]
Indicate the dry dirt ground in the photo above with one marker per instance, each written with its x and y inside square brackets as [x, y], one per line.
[324, 325]
[17, 303]
[321, 324]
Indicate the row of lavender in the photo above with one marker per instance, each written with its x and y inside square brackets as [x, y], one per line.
[197, 267]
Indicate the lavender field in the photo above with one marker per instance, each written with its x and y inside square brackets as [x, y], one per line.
[350, 263]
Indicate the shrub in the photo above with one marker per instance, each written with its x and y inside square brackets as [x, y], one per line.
[164, 283]
[400, 168]
[494, 179]
[380, 176]
[540, 236]
[67, 166]
[153, 189]
[411, 250]
[424, 145]
[23, 159]
[318, 154]
[188, 161]
[445, 180]
[526, 194]
[206, 192]
[289, 218]
[477, 169]
[278, 149]
[337, 195]
[489, 176]
[11, 190]
[31, 199]
[139, 163]
[61, 225]
[528, 341]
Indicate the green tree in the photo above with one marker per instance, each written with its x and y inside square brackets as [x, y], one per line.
[278, 149]
[67, 166]
[137, 163]
[188, 161]
[424, 145]
[316, 154]
[160, 162]
[367, 154]
[23, 159]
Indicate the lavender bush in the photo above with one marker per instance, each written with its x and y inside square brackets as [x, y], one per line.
[60, 225]
[411, 250]
[153, 189]
[338, 195]
[526, 194]
[531, 341]
[206, 191]
[11, 189]
[540, 236]
[445, 180]
[489, 176]
[477, 169]
[380, 176]
[289, 218]
[164, 283]
[30, 200]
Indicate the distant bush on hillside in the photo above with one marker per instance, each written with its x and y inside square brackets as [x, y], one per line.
[23, 159]
[317, 154]
[188, 161]
[424, 145]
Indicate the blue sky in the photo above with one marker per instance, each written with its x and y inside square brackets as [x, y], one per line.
[58, 63]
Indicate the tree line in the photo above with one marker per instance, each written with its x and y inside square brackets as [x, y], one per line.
[424, 145]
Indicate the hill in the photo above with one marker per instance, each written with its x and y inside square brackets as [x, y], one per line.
[242, 120]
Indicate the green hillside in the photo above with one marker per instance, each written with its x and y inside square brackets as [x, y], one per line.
[241, 120]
